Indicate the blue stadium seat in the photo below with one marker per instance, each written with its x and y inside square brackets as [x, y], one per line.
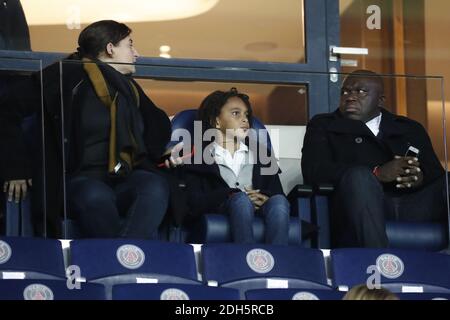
[172, 292]
[116, 261]
[48, 290]
[35, 258]
[423, 296]
[293, 294]
[431, 236]
[18, 218]
[245, 266]
[18, 215]
[397, 269]
[214, 228]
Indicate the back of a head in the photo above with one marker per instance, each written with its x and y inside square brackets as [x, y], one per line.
[93, 39]
[362, 292]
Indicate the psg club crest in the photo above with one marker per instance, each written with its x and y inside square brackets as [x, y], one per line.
[174, 294]
[130, 256]
[390, 266]
[304, 295]
[260, 260]
[5, 252]
[37, 292]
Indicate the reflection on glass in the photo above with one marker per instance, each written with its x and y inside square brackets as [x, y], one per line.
[21, 139]
[231, 30]
[273, 104]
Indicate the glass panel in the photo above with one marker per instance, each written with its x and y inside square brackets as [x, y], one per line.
[273, 104]
[419, 98]
[221, 29]
[286, 140]
[402, 37]
[22, 169]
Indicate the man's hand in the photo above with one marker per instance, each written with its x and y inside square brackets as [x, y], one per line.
[405, 171]
[258, 199]
[413, 176]
[17, 189]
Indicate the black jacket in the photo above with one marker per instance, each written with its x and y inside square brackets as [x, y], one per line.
[24, 100]
[333, 144]
[207, 191]
[14, 34]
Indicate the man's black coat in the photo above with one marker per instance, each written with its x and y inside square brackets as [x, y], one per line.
[333, 144]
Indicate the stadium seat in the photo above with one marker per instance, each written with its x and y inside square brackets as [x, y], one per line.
[18, 215]
[172, 292]
[31, 258]
[293, 294]
[430, 236]
[116, 261]
[399, 270]
[246, 266]
[213, 227]
[49, 290]
[423, 296]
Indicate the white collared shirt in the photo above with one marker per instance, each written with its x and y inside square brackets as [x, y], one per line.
[223, 157]
[374, 124]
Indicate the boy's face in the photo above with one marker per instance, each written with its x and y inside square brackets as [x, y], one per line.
[233, 119]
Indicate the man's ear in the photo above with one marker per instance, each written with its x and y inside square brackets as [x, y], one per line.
[217, 124]
[381, 100]
[110, 49]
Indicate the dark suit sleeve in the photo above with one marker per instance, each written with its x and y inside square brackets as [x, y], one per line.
[19, 101]
[157, 127]
[200, 199]
[429, 162]
[275, 187]
[318, 165]
[271, 185]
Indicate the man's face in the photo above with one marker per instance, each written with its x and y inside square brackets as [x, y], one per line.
[361, 98]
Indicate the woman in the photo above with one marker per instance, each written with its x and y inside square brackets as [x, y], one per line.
[234, 184]
[113, 137]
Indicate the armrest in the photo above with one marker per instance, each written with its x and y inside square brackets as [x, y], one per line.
[323, 189]
[300, 191]
[321, 214]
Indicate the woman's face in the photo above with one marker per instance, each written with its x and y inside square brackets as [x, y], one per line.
[123, 52]
[233, 119]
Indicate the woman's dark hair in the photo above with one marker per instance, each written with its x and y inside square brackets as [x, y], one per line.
[212, 105]
[94, 38]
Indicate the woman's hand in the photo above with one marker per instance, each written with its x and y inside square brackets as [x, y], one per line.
[17, 189]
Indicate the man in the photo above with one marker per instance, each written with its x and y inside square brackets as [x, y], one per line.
[382, 165]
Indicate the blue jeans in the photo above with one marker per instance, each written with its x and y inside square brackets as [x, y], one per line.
[275, 212]
[131, 208]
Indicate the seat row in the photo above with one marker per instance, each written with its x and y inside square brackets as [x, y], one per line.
[113, 262]
[40, 289]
